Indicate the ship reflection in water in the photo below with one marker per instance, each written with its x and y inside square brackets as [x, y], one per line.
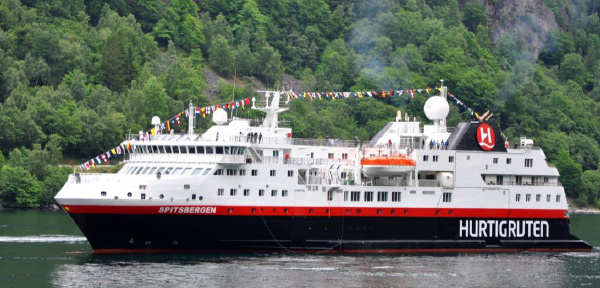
[305, 270]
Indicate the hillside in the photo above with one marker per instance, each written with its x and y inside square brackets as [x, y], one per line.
[78, 75]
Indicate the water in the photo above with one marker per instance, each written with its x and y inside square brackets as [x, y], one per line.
[45, 249]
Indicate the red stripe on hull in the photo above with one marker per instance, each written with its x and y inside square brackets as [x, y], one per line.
[334, 251]
[318, 211]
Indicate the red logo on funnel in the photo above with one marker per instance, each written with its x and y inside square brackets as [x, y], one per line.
[486, 137]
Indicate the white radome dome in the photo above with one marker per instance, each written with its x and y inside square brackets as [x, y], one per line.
[436, 108]
[219, 117]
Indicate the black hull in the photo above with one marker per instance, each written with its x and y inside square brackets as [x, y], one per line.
[131, 233]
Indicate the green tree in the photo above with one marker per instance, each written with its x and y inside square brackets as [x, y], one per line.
[221, 56]
[570, 173]
[474, 15]
[18, 188]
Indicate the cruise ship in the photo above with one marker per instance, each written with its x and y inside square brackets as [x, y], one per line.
[251, 186]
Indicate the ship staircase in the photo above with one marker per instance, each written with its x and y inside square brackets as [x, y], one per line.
[254, 152]
[333, 178]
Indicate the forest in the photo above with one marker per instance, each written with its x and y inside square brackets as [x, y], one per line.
[76, 76]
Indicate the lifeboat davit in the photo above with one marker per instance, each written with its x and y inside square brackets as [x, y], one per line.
[387, 166]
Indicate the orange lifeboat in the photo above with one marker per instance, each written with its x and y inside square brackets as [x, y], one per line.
[387, 166]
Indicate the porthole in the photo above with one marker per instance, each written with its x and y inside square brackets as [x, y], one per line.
[200, 198]
[161, 196]
[103, 193]
[116, 197]
[129, 194]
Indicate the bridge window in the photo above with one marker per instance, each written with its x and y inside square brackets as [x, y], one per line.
[368, 196]
[175, 149]
[231, 172]
[218, 172]
[242, 172]
[192, 149]
[355, 196]
[209, 150]
[447, 197]
[200, 149]
[183, 149]
[186, 171]
[219, 150]
[207, 171]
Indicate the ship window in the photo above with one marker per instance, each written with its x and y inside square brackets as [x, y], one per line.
[518, 197]
[143, 196]
[197, 171]
[538, 197]
[155, 148]
[160, 170]
[355, 196]
[368, 196]
[290, 173]
[168, 149]
[519, 180]
[175, 149]
[186, 186]
[152, 170]
[284, 193]
[200, 149]
[234, 150]
[382, 196]
[168, 171]
[241, 151]
[193, 196]
[146, 170]
[545, 179]
[103, 193]
[209, 150]
[183, 149]
[499, 179]
[425, 157]
[144, 149]
[261, 192]
[246, 192]
[232, 192]
[207, 171]
[413, 192]
[142, 187]
[508, 160]
[435, 158]
[428, 192]
[447, 197]
[344, 156]
[186, 171]
[345, 195]
[220, 191]
[330, 156]
[396, 196]
[218, 172]
[275, 153]
[192, 149]
[129, 194]
[242, 172]
[231, 172]
[177, 171]
[254, 172]
[161, 149]
[495, 160]
[528, 162]
[137, 171]
[468, 157]
[272, 173]
[273, 193]
[557, 198]
[226, 149]
[451, 159]
[219, 150]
